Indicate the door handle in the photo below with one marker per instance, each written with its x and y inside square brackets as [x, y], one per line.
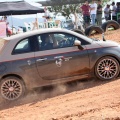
[41, 59]
[59, 57]
[62, 58]
[68, 58]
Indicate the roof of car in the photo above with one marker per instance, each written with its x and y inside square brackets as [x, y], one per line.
[20, 36]
[35, 32]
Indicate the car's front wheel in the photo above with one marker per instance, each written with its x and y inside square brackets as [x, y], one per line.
[12, 88]
[107, 68]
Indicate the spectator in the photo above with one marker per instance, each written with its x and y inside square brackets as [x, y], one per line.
[107, 12]
[114, 17]
[118, 11]
[8, 31]
[118, 8]
[46, 16]
[93, 8]
[46, 42]
[47, 13]
[99, 13]
[85, 8]
[4, 19]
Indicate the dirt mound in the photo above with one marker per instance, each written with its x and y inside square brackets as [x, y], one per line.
[110, 35]
[89, 100]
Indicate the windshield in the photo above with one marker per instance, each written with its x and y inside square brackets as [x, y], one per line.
[90, 40]
[3, 42]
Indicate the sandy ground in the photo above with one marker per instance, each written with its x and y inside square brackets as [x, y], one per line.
[80, 100]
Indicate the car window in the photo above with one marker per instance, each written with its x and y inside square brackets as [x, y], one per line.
[46, 41]
[22, 47]
[57, 40]
[64, 40]
[67, 40]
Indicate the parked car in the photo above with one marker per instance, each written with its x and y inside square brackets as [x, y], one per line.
[49, 56]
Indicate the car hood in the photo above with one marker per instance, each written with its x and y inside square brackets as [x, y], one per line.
[107, 43]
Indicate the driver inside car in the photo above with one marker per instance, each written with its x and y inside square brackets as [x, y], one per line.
[46, 42]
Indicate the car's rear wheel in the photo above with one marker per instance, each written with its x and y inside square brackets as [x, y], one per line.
[107, 68]
[12, 88]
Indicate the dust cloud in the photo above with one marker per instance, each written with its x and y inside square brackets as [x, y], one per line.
[43, 93]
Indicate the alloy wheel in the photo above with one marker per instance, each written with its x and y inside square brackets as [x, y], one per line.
[107, 68]
[11, 89]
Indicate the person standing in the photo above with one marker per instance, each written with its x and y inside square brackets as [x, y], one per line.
[118, 11]
[4, 19]
[47, 13]
[8, 31]
[114, 16]
[93, 11]
[99, 13]
[107, 12]
[85, 8]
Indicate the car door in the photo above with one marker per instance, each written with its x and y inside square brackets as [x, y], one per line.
[63, 59]
[23, 61]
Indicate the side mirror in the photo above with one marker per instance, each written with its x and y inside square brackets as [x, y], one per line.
[78, 43]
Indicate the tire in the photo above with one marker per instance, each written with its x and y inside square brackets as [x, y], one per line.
[12, 88]
[107, 68]
[89, 30]
[78, 31]
[110, 23]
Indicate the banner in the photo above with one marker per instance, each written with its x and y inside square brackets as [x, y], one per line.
[2, 29]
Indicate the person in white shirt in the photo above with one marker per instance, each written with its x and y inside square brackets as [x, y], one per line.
[107, 12]
[47, 13]
[93, 11]
[46, 16]
[114, 17]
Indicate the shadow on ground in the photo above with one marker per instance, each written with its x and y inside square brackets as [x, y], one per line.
[43, 93]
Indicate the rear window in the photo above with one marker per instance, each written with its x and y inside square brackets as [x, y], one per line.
[3, 42]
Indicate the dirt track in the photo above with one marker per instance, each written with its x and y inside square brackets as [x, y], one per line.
[81, 100]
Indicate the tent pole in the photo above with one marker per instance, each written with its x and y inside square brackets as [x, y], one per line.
[37, 21]
[12, 23]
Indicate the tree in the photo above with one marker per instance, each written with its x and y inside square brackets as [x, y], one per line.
[66, 10]
[65, 2]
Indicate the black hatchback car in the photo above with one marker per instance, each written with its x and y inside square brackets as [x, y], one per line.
[49, 56]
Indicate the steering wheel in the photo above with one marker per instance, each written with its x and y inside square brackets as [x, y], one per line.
[63, 43]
